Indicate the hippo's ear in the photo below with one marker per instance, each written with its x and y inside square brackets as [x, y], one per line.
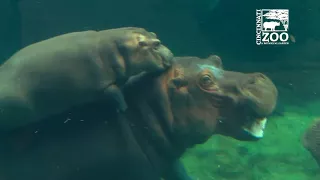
[154, 34]
[216, 61]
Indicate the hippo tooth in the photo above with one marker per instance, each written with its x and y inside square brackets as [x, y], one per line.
[256, 129]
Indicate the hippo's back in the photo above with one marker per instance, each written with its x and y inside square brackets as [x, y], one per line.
[71, 44]
[52, 75]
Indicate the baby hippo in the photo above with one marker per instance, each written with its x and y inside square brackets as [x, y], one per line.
[56, 74]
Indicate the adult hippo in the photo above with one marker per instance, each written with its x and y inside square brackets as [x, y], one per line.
[311, 140]
[167, 114]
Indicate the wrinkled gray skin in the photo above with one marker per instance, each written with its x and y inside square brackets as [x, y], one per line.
[56, 74]
[167, 114]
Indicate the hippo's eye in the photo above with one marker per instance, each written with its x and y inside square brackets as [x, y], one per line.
[206, 80]
[143, 43]
[156, 43]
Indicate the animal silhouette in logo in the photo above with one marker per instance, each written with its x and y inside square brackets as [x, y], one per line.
[270, 25]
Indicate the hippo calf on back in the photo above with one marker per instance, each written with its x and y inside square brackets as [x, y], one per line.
[54, 75]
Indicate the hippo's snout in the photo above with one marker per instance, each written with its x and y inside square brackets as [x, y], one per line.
[253, 98]
[259, 92]
[166, 54]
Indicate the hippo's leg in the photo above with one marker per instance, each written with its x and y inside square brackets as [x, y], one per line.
[177, 171]
[14, 113]
[115, 93]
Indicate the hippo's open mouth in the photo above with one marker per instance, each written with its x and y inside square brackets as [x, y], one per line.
[240, 121]
[256, 128]
[240, 117]
[251, 130]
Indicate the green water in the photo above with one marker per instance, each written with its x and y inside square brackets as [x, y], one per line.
[278, 156]
[200, 28]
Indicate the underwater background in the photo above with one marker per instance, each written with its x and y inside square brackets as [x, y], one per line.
[226, 28]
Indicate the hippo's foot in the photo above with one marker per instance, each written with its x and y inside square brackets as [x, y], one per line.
[177, 171]
[121, 104]
[117, 97]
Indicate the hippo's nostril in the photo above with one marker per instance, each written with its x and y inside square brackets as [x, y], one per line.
[256, 78]
[261, 76]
